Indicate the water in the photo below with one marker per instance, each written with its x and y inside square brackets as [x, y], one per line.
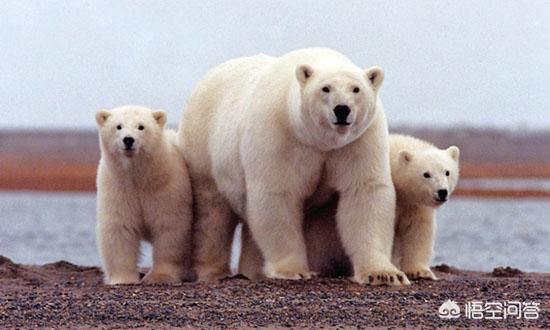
[536, 184]
[477, 234]
[480, 234]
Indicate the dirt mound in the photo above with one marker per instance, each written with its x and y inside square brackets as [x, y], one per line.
[53, 273]
[18, 273]
[5, 260]
[444, 268]
[506, 272]
[8, 269]
[66, 266]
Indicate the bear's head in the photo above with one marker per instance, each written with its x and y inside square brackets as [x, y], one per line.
[130, 130]
[337, 104]
[426, 177]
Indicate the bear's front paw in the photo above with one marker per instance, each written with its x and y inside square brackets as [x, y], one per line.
[287, 271]
[160, 278]
[420, 273]
[123, 279]
[391, 277]
[282, 275]
[211, 274]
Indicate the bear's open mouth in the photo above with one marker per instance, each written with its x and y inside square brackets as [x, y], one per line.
[440, 201]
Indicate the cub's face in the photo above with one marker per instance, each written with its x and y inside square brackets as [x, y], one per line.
[128, 131]
[429, 177]
[337, 105]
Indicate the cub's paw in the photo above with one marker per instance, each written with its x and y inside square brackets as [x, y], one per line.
[122, 279]
[420, 273]
[160, 278]
[382, 277]
[282, 275]
[287, 271]
[211, 275]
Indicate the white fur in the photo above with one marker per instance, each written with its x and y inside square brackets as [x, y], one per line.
[415, 221]
[417, 198]
[260, 140]
[142, 194]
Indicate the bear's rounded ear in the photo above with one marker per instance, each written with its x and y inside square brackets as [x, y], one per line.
[303, 73]
[454, 152]
[405, 156]
[101, 117]
[160, 117]
[375, 76]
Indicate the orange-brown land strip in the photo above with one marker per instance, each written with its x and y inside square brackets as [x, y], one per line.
[59, 175]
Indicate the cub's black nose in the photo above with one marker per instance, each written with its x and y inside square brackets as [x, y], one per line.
[128, 141]
[442, 194]
[342, 112]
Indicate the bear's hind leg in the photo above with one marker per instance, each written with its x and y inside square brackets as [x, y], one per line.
[212, 232]
[251, 260]
[171, 249]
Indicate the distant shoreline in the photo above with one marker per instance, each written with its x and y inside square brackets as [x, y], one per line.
[66, 160]
[40, 175]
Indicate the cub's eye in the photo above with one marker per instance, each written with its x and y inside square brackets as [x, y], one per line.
[141, 127]
[326, 89]
[427, 175]
[447, 173]
[119, 127]
[356, 90]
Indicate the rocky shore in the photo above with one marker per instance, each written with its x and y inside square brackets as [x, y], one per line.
[66, 295]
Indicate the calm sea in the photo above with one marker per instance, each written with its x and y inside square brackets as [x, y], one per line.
[476, 234]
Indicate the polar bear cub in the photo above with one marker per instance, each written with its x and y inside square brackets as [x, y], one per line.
[262, 134]
[143, 193]
[424, 178]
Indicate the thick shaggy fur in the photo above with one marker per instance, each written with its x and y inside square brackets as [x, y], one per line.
[262, 139]
[417, 201]
[143, 193]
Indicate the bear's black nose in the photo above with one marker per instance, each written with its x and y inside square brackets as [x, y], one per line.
[128, 141]
[442, 194]
[342, 112]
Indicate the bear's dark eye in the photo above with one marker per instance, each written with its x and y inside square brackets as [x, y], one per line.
[141, 127]
[427, 175]
[326, 89]
[447, 173]
[356, 90]
[119, 127]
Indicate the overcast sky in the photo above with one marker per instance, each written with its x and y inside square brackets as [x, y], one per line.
[446, 62]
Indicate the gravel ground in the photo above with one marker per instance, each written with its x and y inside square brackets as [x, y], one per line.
[65, 295]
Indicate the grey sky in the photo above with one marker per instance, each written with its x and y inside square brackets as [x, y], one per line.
[446, 62]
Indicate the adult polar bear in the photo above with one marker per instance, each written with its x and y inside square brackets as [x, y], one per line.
[264, 135]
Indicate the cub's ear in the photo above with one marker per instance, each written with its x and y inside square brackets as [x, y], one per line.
[405, 156]
[303, 73]
[375, 76]
[454, 152]
[160, 117]
[101, 117]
